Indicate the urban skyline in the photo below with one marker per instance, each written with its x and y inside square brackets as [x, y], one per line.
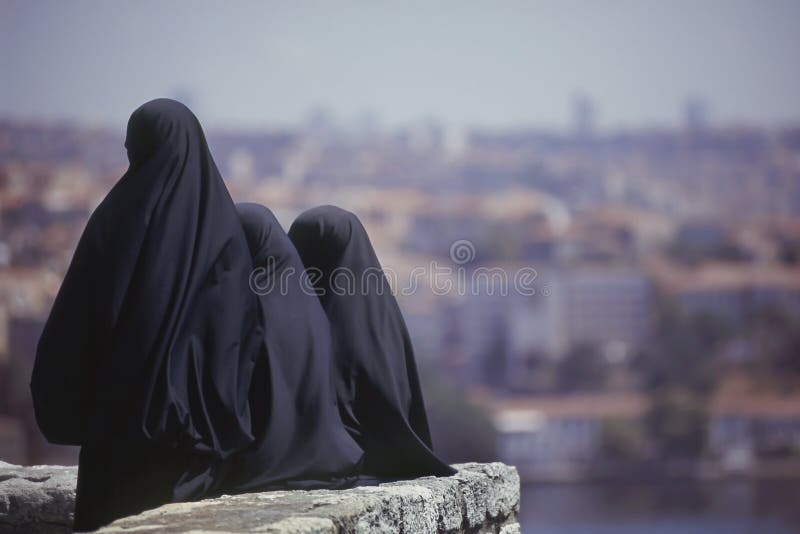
[498, 65]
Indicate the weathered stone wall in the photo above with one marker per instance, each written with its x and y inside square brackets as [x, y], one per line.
[479, 498]
[36, 499]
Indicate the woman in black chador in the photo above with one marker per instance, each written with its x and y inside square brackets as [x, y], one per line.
[196, 349]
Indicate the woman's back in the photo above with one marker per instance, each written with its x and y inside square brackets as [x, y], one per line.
[136, 364]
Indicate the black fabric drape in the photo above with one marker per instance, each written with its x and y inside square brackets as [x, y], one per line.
[147, 355]
[300, 439]
[379, 393]
[180, 381]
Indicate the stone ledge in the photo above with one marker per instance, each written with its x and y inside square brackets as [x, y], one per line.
[479, 498]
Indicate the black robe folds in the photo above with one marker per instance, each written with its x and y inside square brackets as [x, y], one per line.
[180, 378]
[380, 398]
[300, 441]
[148, 353]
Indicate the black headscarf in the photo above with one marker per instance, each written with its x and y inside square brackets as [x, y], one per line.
[300, 439]
[147, 355]
[380, 398]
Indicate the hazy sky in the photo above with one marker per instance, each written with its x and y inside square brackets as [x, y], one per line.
[469, 62]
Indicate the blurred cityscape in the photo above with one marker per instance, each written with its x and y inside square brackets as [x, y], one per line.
[662, 338]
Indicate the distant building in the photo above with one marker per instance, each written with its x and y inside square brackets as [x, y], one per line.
[695, 114]
[731, 291]
[482, 340]
[607, 306]
[502, 337]
[557, 436]
[702, 234]
[502, 333]
[561, 436]
[743, 428]
[613, 234]
[583, 116]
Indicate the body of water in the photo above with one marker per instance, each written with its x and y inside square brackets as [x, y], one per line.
[725, 507]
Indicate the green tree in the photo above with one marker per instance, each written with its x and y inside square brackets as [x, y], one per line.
[677, 422]
[462, 431]
[682, 352]
[623, 440]
[776, 334]
[678, 369]
[583, 368]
